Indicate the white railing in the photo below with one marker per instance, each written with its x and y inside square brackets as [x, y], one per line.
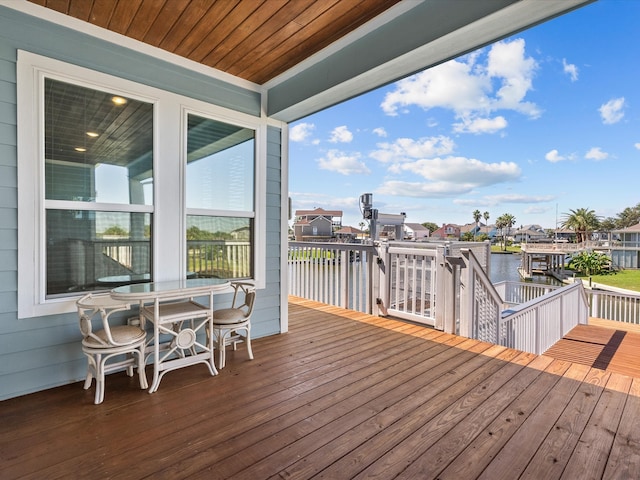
[450, 289]
[219, 258]
[561, 246]
[619, 307]
[515, 293]
[538, 324]
[409, 281]
[480, 303]
[338, 274]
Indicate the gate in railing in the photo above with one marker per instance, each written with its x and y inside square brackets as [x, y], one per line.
[409, 280]
[395, 278]
[448, 286]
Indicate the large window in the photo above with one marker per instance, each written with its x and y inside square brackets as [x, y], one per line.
[119, 182]
[98, 156]
[220, 198]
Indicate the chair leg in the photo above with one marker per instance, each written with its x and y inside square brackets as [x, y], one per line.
[221, 349]
[99, 398]
[247, 340]
[91, 368]
[142, 375]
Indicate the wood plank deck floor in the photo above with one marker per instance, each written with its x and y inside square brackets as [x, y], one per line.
[343, 395]
[606, 348]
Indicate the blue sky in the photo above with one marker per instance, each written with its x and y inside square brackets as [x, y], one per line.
[536, 125]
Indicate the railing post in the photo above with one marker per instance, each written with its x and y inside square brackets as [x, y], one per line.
[442, 281]
[465, 289]
[382, 260]
[344, 279]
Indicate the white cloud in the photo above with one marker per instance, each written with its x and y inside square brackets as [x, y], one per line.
[553, 156]
[518, 198]
[508, 63]
[467, 87]
[493, 200]
[301, 132]
[423, 190]
[480, 125]
[341, 135]
[407, 149]
[612, 111]
[596, 153]
[451, 85]
[310, 201]
[637, 145]
[340, 162]
[570, 69]
[464, 171]
[380, 131]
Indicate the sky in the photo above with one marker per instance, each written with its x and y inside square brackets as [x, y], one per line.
[536, 125]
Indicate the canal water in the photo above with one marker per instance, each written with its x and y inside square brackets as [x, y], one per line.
[504, 267]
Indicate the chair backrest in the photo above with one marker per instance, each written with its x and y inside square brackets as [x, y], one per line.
[245, 292]
[91, 305]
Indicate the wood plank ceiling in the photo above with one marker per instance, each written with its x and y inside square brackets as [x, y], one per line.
[256, 40]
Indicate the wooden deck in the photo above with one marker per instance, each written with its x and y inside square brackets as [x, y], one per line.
[342, 395]
[601, 347]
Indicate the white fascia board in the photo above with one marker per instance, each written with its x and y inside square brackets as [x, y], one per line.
[87, 28]
[501, 24]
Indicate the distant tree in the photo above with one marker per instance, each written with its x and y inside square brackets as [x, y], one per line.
[608, 224]
[582, 221]
[195, 233]
[476, 218]
[468, 237]
[628, 217]
[590, 263]
[485, 215]
[431, 226]
[504, 222]
[116, 231]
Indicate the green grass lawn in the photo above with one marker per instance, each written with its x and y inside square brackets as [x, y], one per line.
[627, 279]
[511, 249]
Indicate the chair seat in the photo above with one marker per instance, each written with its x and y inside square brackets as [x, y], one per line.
[114, 347]
[123, 335]
[228, 316]
[176, 311]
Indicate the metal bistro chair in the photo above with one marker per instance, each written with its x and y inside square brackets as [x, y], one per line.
[229, 322]
[111, 341]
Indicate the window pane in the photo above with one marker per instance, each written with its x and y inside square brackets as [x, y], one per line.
[220, 165]
[87, 249]
[219, 246]
[98, 146]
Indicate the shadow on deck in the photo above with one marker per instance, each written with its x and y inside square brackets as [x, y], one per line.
[607, 348]
[342, 395]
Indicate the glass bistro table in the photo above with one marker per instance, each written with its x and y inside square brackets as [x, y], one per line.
[178, 320]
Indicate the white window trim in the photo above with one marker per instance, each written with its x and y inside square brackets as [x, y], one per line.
[169, 208]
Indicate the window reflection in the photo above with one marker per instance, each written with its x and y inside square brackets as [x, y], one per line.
[220, 165]
[90, 250]
[219, 246]
[97, 149]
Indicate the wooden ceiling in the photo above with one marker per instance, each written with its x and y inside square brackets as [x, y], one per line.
[256, 40]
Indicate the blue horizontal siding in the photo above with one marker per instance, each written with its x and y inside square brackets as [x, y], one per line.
[44, 352]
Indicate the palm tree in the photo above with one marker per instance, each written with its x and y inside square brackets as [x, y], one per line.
[476, 218]
[582, 221]
[505, 222]
[485, 215]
